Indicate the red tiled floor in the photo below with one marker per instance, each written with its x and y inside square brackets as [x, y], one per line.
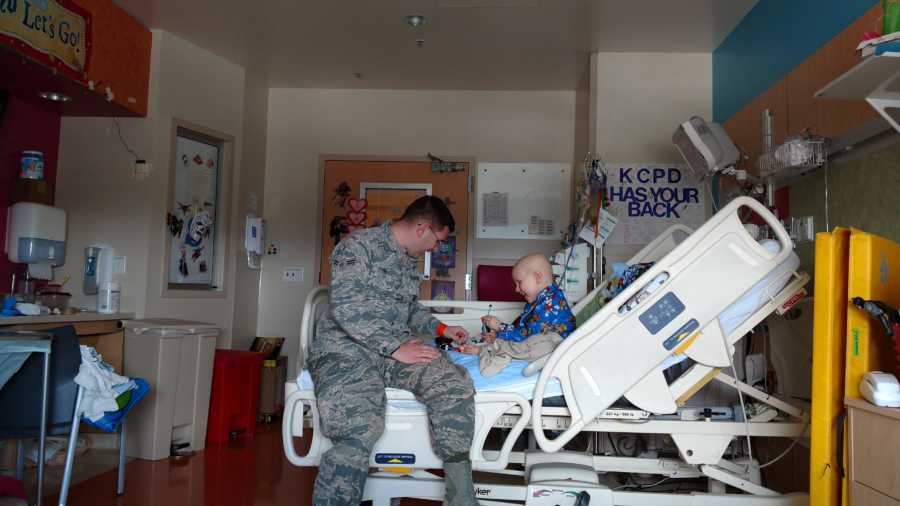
[248, 471]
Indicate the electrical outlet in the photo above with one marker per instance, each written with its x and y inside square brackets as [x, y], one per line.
[292, 274]
[805, 230]
[141, 169]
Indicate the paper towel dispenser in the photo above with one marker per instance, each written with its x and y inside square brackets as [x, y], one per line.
[36, 234]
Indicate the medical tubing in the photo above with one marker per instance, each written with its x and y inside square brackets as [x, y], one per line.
[740, 396]
[786, 450]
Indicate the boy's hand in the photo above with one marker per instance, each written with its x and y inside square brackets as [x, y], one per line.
[458, 334]
[491, 322]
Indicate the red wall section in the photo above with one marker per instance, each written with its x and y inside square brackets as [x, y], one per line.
[28, 124]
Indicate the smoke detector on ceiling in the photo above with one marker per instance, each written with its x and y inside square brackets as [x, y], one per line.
[416, 20]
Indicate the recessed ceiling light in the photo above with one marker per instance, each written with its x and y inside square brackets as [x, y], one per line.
[415, 20]
[54, 96]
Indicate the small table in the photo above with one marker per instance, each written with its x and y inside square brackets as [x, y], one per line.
[27, 342]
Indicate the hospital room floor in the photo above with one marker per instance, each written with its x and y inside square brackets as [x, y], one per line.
[250, 471]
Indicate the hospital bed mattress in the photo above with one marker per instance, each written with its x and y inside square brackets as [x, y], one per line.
[510, 379]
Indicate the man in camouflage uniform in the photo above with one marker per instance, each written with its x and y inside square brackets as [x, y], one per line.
[365, 342]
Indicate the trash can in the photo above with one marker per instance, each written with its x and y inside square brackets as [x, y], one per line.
[271, 389]
[235, 395]
[176, 357]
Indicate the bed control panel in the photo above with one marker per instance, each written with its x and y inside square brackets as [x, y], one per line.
[662, 313]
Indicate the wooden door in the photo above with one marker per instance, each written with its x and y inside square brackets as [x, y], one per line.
[389, 187]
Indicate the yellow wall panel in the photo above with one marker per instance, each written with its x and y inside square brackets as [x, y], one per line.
[829, 327]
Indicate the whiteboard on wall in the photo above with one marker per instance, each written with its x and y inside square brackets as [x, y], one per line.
[523, 200]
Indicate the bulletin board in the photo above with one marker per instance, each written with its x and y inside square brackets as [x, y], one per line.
[523, 200]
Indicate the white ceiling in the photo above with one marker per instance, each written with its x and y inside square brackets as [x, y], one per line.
[469, 44]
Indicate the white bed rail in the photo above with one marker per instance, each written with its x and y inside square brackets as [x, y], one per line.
[316, 296]
[295, 407]
[656, 250]
[405, 426]
[598, 352]
[468, 313]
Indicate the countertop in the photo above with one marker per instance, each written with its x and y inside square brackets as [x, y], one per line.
[65, 318]
[868, 406]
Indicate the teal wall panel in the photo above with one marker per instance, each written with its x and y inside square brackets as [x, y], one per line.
[771, 40]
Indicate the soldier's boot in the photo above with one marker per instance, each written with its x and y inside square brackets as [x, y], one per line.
[458, 487]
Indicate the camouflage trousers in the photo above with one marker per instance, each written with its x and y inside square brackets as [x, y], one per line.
[351, 399]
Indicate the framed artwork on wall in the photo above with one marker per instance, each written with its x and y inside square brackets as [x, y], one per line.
[195, 225]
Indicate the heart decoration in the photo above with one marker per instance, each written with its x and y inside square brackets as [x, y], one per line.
[357, 205]
[352, 228]
[356, 218]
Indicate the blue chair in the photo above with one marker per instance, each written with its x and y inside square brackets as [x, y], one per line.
[20, 403]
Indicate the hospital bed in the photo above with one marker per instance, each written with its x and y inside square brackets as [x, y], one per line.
[706, 290]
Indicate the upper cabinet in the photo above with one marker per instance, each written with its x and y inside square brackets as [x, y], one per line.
[90, 50]
[831, 118]
[792, 99]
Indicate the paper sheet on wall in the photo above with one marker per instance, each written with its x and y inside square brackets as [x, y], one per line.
[496, 210]
[607, 223]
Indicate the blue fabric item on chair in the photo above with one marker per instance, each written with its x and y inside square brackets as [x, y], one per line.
[111, 420]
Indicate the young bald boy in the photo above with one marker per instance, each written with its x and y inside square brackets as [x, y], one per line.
[544, 323]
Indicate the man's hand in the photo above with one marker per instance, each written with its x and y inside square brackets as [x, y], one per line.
[491, 322]
[489, 337]
[415, 352]
[458, 334]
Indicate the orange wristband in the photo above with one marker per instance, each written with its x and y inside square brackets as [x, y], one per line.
[440, 329]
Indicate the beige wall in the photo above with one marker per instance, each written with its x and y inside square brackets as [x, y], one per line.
[106, 204]
[251, 190]
[485, 125]
[638, 100]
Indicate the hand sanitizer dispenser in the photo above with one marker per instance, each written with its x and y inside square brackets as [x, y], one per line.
[36, 235]
[98, 267]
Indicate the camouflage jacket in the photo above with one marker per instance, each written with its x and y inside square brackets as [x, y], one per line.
[374, 295]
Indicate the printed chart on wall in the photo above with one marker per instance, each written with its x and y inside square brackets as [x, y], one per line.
[649, 198]
[191, 223]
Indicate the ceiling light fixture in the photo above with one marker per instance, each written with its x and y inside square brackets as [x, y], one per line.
[415, 20]
[54, 96]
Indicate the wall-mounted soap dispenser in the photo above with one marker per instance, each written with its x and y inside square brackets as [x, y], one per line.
[98, 267]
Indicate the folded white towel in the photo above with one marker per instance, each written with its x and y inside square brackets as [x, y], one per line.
[100, 383]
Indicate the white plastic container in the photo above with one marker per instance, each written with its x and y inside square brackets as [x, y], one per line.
[109, 298]
[176, 357]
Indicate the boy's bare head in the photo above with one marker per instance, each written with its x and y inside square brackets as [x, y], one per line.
[532, 274]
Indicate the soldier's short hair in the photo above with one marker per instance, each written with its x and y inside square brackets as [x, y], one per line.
[431, 209]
